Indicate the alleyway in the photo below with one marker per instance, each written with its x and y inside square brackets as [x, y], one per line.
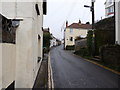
[70, 71]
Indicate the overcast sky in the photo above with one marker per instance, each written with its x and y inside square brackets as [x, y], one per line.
[58, 11]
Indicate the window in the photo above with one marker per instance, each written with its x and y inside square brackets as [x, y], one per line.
[71, 38]
[44, 7]
[71, 30]
[110, 10]
[37, 9]
[8, 30]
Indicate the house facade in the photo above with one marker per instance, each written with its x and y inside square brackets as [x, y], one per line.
[73, 31]
[19, 55]
[109, 8]
[117, 17]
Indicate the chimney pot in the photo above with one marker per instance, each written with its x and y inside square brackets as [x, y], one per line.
[66, 23]
[79, 21]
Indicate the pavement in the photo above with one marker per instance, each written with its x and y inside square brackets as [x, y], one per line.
[42, 77]
[70, 71]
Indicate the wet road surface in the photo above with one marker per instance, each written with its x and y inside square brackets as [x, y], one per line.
[70, 71]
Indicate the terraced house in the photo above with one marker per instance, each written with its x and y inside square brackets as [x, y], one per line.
[21, 42]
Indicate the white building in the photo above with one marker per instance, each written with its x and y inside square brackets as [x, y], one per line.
[109, 8]
[73, 31]
[19, 62]
[53, 41]
[117, 16]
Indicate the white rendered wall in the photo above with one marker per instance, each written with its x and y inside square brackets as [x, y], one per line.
[27, 48]
[117, 22]
[0, 66]
[8, 9]
[8, 64]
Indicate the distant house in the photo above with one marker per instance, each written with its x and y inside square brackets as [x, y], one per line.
[109, 8]
[117, 16]
[58, 42]
[73, 31]
[53, 41]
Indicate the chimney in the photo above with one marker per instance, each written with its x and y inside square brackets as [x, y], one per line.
[79, 22]
[66, 23]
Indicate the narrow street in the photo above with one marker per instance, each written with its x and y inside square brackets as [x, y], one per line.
[70, 71]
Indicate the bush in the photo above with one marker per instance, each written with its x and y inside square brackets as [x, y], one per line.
[103, 37]
[90, 42]
[106, 24]
[104, 33]
[46, 50]
[70, 47]
[46, 40]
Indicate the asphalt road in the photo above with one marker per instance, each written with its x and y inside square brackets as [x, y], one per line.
[70, 71]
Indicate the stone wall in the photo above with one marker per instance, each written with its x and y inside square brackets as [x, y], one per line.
[111, 55]
[80, 44]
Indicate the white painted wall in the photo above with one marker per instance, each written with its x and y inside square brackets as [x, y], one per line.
[8, 9]
[0, 66]
[27, 43]
[74, 34]
[27, 48]
[117, 22]
[8, 64]
[53, 42]
[24, 55]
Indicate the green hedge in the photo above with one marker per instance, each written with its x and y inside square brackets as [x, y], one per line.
[46, 42]
[106, 24]
[103, 37]
[104, 34]
[90, 43]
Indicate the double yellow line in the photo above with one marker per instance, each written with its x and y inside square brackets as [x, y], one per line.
[116, 72]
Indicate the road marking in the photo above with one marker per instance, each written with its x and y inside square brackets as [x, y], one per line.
[50, 75]
[116, 72]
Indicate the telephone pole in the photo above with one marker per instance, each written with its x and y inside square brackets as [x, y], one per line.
[93, 14]
[93, 24]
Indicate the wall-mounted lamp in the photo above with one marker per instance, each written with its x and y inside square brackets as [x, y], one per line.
[15, 23]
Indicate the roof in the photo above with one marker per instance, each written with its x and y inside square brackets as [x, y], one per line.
[78, 25]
